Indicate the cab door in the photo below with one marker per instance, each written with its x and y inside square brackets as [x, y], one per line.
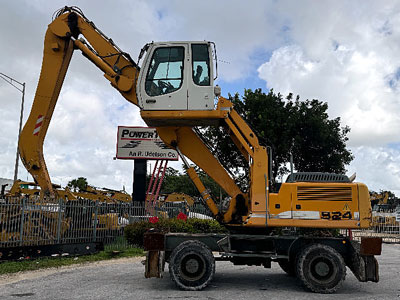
[163, 83]
[200, 85]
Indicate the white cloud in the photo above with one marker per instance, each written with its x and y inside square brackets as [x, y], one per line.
[239, 29]
[354, 85]
[346, 53]
[378, 167]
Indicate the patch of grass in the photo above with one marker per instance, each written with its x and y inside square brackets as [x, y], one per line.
[54, 262]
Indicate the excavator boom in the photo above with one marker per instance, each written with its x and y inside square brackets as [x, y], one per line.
[59, 45]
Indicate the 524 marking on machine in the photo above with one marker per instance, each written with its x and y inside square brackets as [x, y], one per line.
[336, 215]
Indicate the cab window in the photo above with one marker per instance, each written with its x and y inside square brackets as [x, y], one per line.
[201, 64]
[165, 73]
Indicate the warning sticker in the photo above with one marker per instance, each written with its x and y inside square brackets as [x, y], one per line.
[346, 207]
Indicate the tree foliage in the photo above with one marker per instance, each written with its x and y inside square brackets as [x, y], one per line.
[174, 181]
[393, 201]
[78, 184]
[286, 125]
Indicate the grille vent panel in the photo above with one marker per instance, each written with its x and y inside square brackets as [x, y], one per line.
[325, 193]
[317, 177]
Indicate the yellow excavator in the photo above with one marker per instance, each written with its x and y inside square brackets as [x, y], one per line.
[380, 200]
[104, 195]
[178, 198]
[174, 89]
[383, 219]
[166, 91]
[41, 217]
[172, 204]
[22, 188]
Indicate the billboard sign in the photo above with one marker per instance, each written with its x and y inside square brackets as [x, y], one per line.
[142, 143]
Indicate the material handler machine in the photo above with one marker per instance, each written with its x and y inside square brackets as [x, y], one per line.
[174, 89]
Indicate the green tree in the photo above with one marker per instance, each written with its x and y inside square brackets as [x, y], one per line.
[174, 181]
[286, 125]
[393, 201]
[78, 184]
[319, 144]
[177, 182]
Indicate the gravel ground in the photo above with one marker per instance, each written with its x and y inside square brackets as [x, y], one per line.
[124, 279]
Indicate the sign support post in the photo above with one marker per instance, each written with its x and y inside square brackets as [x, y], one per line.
[139, 180]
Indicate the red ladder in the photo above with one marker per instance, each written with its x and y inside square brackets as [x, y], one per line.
[155, 183]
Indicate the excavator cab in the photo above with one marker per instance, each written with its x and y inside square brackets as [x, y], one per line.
[177, 76]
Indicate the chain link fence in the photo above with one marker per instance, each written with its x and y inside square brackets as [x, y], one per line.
[31, 221]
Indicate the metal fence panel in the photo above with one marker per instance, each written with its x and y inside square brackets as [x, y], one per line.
[32, 221]
[385, 224]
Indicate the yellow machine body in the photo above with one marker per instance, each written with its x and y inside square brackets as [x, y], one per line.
[324, 205]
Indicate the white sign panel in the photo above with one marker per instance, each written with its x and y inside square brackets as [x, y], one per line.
[398, 216]
[142, 143]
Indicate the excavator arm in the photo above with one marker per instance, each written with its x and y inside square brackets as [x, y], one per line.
[61, 40]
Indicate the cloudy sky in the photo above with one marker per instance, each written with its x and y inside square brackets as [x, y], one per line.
[342, 52]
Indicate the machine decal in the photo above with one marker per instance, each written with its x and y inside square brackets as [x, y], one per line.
[257, 216]
[306, 215]
[336, 215]
[39, 122]
[309, 215]
[284, 215]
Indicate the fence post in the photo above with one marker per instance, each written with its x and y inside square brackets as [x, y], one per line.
[21, 230]
[60, 202]
[95, 220]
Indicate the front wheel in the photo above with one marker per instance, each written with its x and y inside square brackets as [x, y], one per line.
[191, 265]
[321, 269]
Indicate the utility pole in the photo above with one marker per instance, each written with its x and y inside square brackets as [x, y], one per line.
[13, 82]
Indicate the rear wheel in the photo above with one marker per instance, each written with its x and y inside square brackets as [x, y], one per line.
[191, 266]
[321, 269]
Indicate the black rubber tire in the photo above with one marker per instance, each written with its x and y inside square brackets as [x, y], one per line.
[288, 266]
[321, 269]
[191, 266]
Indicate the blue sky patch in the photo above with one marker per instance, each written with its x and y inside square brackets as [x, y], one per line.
[393, 79]
[238, 86]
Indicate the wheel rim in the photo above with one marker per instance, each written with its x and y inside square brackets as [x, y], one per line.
[193, 267]
[322, 269]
